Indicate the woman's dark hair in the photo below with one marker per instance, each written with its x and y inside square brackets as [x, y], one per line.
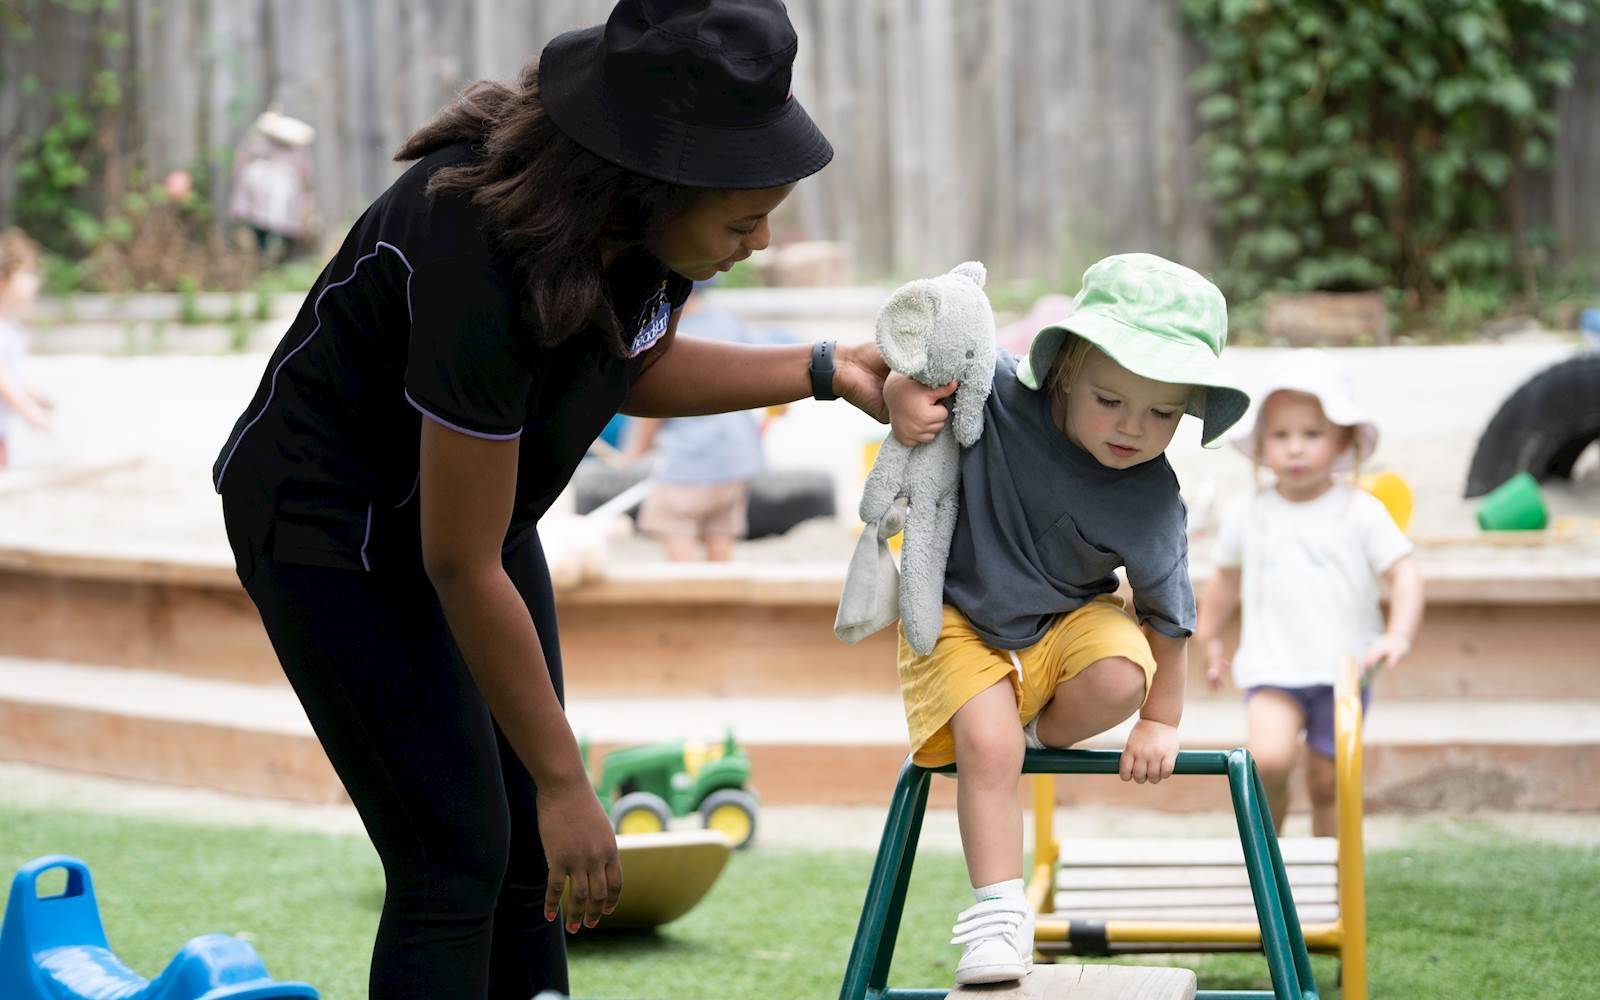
[549, 201]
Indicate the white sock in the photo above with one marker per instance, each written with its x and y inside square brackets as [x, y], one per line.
[999, 890]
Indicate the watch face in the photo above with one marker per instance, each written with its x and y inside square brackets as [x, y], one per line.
[653, 321]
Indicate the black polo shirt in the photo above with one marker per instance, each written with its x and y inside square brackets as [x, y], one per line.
[418, 315]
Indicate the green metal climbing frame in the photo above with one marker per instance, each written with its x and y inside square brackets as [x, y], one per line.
[866, 977]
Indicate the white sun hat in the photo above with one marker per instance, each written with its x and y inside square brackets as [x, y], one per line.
[277, 126]
[1321, 375]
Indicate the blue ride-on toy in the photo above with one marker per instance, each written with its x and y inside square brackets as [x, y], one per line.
[54, 948]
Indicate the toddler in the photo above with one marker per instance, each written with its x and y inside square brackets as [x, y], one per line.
[1305, 556]
[1067, 483]
[19, 286]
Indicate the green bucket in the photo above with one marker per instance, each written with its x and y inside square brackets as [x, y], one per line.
[1514, 505]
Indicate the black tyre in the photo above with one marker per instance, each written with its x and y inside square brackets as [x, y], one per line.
[596, 482]
[782, 498]
[731, 812]
[640, 812]
[1542, 428]
[779, 498]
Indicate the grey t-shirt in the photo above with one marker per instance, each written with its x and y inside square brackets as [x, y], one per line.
[1043, 525]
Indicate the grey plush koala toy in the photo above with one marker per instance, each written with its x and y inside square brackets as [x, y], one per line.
[934, 330]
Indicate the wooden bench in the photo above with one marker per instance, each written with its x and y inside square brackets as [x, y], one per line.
[1124, 896]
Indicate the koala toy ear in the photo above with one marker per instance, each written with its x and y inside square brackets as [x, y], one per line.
[903, 325]
[972, 269]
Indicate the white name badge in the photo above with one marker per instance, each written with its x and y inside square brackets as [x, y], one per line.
[659, 311]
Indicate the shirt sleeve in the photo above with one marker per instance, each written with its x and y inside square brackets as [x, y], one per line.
[467, 364]
[1163, 594]
[1166, 604]
[1382, 540]
[1228, 551]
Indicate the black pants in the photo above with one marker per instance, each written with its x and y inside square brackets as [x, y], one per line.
[449, 807]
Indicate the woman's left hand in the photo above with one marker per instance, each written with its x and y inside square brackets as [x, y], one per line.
[858, 376]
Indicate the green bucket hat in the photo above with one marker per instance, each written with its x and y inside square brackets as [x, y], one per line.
[1157, 319]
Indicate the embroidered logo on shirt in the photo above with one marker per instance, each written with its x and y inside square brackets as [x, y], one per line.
[653, 320]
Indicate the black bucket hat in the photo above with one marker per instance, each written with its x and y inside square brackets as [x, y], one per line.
[691, 93]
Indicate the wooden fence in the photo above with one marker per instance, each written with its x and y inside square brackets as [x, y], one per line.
[1035, 134]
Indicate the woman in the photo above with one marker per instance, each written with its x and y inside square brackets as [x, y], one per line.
[482, 322]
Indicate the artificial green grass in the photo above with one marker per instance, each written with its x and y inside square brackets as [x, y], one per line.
[1462, 914]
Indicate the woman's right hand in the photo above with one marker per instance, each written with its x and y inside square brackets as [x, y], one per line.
[579, 845]
[916, 414]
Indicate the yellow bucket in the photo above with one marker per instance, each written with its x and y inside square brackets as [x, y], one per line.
[1393, 492]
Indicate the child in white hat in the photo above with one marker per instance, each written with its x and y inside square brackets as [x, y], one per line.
[1305, 555]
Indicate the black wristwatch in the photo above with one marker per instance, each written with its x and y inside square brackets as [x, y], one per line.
[822, 370]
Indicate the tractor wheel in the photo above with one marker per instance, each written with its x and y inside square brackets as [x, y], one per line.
[732, 813]
[640, 812]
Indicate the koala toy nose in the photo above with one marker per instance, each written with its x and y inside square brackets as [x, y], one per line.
[970, 353]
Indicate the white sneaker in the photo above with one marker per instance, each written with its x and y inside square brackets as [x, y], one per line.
[998, 935]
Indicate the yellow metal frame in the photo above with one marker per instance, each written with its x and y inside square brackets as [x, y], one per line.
[1345, 937]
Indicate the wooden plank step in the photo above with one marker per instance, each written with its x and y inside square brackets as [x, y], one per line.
[1090, 982]
[1313, 913]
[1102, 899]
[1212, 876]
[1153, 853]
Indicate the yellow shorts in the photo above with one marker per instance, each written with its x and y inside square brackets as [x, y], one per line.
[962, 664]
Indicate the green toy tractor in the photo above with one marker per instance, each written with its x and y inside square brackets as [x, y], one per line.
[648, 785]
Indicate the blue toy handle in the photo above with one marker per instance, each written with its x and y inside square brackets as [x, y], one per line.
[78, 872]
[55, 947]
[71, 918]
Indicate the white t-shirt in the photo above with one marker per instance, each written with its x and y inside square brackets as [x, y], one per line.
[1309, 581]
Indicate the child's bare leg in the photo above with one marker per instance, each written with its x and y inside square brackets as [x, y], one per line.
[681, 548]
[719, 548]
[1275, 724]
[1099, 697]
[1323, 785]
[988, 763]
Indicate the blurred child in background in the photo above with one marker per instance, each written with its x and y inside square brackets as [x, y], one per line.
[698, 505]
[1305, 555]
[19, 287]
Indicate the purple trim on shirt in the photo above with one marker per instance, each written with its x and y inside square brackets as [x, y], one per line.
[273, 388]
[366, 537]
[442, 422]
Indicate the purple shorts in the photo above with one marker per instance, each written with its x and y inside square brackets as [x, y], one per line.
[1316, 704]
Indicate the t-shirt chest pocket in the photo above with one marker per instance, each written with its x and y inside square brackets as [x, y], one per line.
[1074, 557]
